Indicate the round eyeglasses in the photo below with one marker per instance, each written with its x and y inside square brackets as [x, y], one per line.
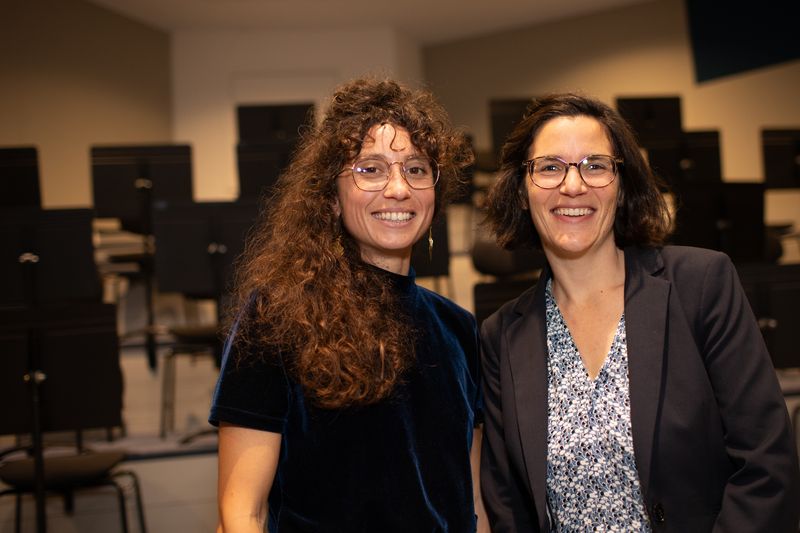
[372, 173]
[549, 172]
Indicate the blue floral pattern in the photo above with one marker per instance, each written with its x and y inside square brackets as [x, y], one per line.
[592, 481]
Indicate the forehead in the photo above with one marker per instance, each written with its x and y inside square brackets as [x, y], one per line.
[387, 137]
[571, 135]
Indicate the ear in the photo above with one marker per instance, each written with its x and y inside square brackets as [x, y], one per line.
[337, 208]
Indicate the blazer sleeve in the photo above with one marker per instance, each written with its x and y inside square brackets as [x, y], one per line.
[508, 505]
[763, 492]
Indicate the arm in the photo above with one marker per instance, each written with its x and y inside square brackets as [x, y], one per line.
[507, 504]
[475, 463]
[248, 459]
[763, 491]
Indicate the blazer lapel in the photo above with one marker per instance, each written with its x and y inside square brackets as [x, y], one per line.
[646, 306]
[527, 348]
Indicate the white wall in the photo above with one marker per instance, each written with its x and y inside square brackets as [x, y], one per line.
[213, 72]
[72, 75]
[641, 50]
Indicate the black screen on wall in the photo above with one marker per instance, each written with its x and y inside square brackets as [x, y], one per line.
[733, 37]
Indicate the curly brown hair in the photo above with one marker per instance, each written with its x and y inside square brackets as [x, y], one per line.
[642, 217]
[301, 278]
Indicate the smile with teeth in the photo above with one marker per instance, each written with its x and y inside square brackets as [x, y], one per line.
[573, 211]
[394, 216]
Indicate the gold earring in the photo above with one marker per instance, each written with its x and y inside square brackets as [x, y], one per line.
[430, 243]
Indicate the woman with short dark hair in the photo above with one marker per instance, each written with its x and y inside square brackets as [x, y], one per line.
[630, 389]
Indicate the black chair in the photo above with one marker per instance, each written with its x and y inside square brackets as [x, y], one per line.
[79, 388]
[511, 274]
[66, 474]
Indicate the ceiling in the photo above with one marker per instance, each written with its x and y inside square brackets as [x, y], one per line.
[426, 21]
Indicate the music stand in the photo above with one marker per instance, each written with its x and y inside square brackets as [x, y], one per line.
[504, 115]
[127, 181]
[781, 150]
[725, 216]
[196, 248]
[259, 165]
[655, 118]
[197, 243]
[690, 157]
[49, 284]
[19, 177]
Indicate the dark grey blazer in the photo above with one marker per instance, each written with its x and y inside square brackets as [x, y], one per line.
[713, 443]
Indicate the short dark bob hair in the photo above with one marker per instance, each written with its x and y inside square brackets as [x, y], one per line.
[642, 216]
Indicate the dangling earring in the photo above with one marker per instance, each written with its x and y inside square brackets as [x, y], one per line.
[430, 243]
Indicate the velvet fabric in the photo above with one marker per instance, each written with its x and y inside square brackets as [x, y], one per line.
[399, 465]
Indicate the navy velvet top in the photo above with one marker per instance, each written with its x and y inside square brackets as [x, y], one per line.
[399, 465]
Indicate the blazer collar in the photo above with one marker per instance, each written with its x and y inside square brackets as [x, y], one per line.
[646, 308]
[527, 348]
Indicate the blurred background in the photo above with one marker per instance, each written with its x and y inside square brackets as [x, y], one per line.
[136, 137]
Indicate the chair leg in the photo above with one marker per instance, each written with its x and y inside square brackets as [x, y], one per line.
[69, 502]
[18, 514]
[123, 512]
[137, 493]
[168, 394]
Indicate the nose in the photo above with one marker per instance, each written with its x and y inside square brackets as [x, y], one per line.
[573, 183]
[397, 187]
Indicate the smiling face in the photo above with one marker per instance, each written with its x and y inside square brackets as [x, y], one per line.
[386, 223]
[573, 220]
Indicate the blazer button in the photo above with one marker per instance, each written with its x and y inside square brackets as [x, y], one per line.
[658, 513]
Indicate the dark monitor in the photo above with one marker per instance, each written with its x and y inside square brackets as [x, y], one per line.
[127, 180]
[781, 149]
[652, 118]
[19, 177]
[504, 115]
[725, 216]
[692, 157]
[270, 123]
[259, 166]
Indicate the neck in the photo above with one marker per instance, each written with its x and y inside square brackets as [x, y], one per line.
[579, 278]
[397, 264]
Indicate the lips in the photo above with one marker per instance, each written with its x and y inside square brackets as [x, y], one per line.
[573, 211]
[394, 216]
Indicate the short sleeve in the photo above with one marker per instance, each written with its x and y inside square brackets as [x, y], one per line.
[251, 393]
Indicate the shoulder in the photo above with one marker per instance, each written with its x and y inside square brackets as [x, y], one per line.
[681, 263]
[445, 307]
[691, 258]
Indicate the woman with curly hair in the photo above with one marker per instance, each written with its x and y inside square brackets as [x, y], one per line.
[348, 398]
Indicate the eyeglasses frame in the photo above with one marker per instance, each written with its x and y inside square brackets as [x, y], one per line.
[616, 161]
[402, 173]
